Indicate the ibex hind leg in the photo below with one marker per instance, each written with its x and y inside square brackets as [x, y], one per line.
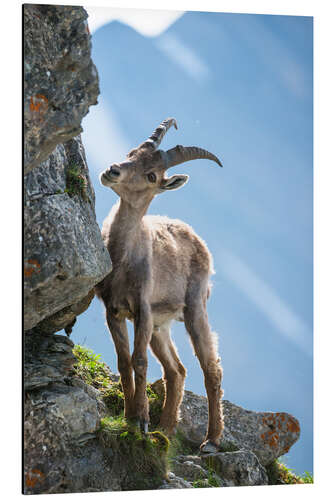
[205, 347]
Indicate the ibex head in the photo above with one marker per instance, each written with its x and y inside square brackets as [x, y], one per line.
[142, 175]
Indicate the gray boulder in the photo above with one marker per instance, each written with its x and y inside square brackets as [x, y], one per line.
[188, 469]
[239, 468]
[267, 434]
[60, 79]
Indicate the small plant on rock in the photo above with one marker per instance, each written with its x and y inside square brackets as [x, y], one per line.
[76, 182]
[279, 473]
[94, 372]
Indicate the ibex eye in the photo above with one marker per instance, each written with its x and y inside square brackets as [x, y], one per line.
[151, 177]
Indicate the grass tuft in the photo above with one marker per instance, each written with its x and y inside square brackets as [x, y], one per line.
[210, 482]
[279, 473]
[146, 455]
[94, 372]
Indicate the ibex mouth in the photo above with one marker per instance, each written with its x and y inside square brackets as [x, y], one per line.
[106, 178]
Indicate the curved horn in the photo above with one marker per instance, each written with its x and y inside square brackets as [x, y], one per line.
[180, 154]
[158, 134]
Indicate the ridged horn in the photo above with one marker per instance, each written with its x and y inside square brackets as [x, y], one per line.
[156, 138]
[180, 154]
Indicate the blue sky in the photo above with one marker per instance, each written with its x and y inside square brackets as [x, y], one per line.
[240, 86]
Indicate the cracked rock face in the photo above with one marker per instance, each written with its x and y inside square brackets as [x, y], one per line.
[64, 255]
[267, 434]
[60, 79]
[240, 468]
[62, 450]
[62, 453]
[188, 469]
[47, 359]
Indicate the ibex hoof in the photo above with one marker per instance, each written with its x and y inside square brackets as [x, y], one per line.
[142, 425]
[209, 447]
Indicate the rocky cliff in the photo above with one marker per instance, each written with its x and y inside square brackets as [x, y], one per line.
[75, 438]
[64, 256]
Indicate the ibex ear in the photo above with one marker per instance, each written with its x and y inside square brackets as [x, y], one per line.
[174, 182]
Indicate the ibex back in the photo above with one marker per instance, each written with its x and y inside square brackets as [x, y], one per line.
[161, 272]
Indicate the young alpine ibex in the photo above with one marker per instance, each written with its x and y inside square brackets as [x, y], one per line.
[161, 271]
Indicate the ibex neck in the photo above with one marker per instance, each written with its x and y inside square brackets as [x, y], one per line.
[126, 231]
[128, 216]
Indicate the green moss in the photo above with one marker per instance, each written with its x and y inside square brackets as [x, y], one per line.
[76, 182]
[113, 397]
[180, 445]
[160, 440]
[145, 455]
[94, 372]
[279, 473]
[149, 456]
[113, 426]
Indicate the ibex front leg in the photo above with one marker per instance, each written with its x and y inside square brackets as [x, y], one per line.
[174, 376]
[143, 329]
[119, 334]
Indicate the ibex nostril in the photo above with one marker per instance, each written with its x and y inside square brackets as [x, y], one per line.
[114, 171]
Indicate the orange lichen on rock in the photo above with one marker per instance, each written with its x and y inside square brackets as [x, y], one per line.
[33, 477]
[271, 438]
[273, 442]
[38, 103]
[32, 266]
[292, 425]
[280, 431]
